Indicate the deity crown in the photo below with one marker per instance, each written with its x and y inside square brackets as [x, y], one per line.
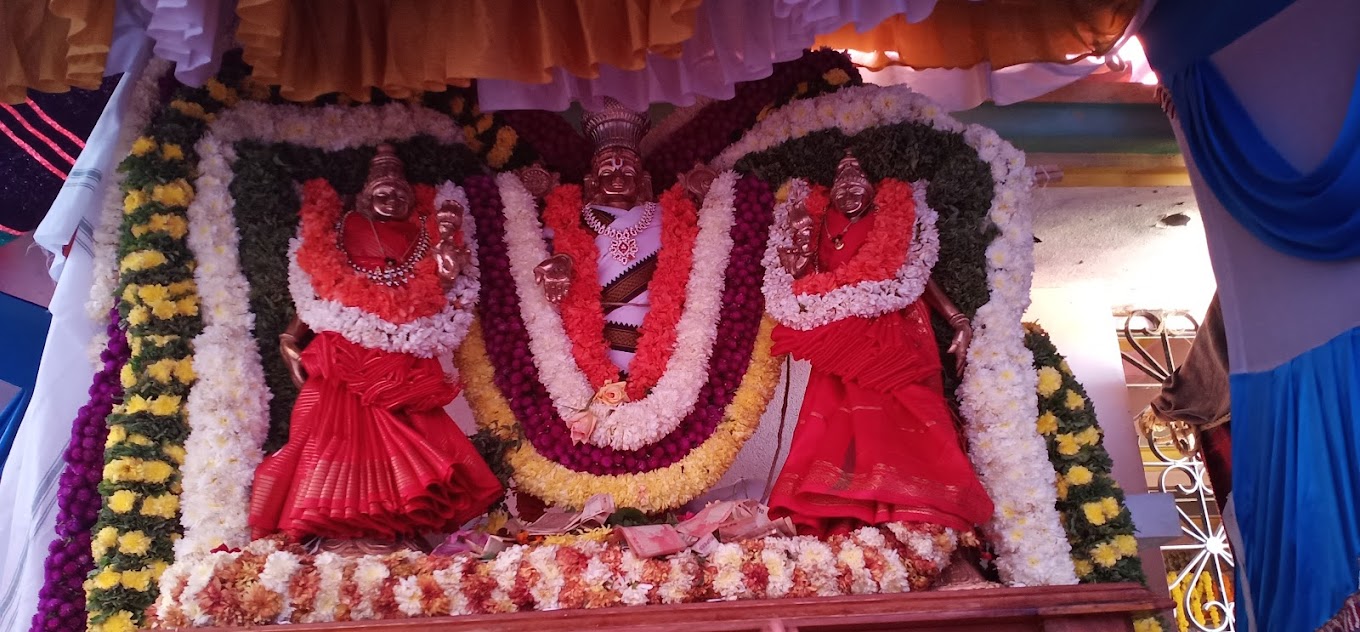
[386, 165]
[615, 126]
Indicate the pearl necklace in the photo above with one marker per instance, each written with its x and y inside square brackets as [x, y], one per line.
[393, 273]
[622, 243]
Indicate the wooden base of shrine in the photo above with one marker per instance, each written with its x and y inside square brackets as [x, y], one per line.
[1089, 608]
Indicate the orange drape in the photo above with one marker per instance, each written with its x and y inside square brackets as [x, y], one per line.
[52, 46]
[314, 47]
[964, 33]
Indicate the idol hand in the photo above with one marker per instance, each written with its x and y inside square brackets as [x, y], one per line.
[554, 276]
[963, 336]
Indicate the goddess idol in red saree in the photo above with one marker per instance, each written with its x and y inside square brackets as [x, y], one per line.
[849, 280]
[385, 287]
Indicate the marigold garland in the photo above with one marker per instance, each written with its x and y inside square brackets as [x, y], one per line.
[582, 313]
[1098, 524]
[159, 304]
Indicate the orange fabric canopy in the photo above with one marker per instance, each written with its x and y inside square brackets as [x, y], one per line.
[313, 47]
[965, 33]
[52, 46]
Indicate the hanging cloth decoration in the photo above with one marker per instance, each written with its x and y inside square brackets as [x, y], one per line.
[1311, 215]
[53, 46]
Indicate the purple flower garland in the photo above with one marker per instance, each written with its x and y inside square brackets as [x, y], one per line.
[517, 378]
[562, 148]
[61, 602]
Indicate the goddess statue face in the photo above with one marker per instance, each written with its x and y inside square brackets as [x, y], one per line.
[852, 194]
[617, 179]
[389, 200]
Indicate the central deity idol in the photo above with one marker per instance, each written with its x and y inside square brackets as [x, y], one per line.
[625, 221]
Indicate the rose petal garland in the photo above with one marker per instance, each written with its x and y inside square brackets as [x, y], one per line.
[504, 391]
[863, 297]
[266, 584]
[61, 601]
[1009, 455]
[642, 422]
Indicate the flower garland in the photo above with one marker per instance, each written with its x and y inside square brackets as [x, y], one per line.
[803, 139]
[1097, 520]
[888, 274]
[505, 392]
[712, 128]
[582, 313]
[61, 601]
[557, 143]
[266, 584]
[638, 423]
[159, 303]
[488, 134]
[392, 319]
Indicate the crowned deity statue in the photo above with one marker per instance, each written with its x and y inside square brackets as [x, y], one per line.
[382, 288]
[876, 439]
[622, 217]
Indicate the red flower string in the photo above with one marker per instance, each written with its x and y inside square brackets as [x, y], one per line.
[882, 254]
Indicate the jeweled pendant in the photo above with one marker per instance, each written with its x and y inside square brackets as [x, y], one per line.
[624, 250]
[836, 241]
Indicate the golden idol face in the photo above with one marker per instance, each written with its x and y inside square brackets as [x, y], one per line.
[617, 178]
[852, 197]
[390, 201]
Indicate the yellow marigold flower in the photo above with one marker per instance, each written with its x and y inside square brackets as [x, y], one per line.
[1047, 423]
[221, 93]
[136, 404]
[1050, 380]
[177, 193]
[505, 146]
[188, 306]
[1104, 555]
[157, 471]
[1067, 445]
[1147, 624]
[171, 151]
[158, 568]
[122, 501]
[143, 146]
[135, 345]
[162, 506]
[138, 439]
[1062, 489]
[163, 310]
[107, 578]
[470, 137]
[175, 452]
[162, 370]
[1075, 401]
[191, 110]
[126, 377]
[783, 193]
[1089, 436]
[123, 470]
[139, 580]
[1083, 567]
[802, 88]
[108, 536]
[1111, 507]
[836, 76]
[119, 622]
[1127, 545]
[130, 292]
[165, 405]
[184, 371]
[484, 123]
[1062, 366]
[134, 543]
[1095, 514]
[141, 260]
[172, 225]
[1079, 475]
[153, 293]
[134, 200]
[177, 289]
[139, 316]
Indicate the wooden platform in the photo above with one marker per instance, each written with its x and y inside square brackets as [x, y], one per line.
[1090, 608]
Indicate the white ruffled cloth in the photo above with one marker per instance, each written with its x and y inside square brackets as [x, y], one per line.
[733, 42]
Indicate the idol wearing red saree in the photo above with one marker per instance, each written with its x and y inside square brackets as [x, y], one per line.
[876, 441]
[371, 454]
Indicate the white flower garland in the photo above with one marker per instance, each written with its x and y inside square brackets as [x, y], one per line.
[425, 337]
[104, 278]
[996, 395]
[865, 299]
[228, 408]
[638, 423]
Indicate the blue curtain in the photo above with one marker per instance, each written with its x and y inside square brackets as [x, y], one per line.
[1314, 215]
[24, 327]
[1296, 452]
